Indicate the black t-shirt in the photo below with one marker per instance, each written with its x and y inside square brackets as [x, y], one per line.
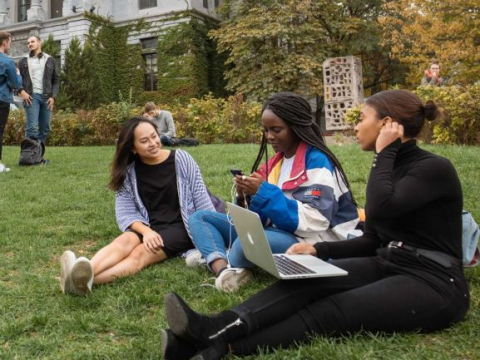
[157, 187]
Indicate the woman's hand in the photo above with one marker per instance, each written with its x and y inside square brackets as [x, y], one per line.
[302, 248]
[390, 132]
[153, 242]
[248, 185]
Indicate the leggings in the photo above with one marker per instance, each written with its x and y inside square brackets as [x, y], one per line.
[376, 296]
[4, 112]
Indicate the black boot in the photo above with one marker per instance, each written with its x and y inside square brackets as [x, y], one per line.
[174, 348]
[210, 353]
[201, 330]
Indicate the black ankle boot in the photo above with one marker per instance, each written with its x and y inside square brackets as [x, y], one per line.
[174, 348]
[210, 353]
[201, 330]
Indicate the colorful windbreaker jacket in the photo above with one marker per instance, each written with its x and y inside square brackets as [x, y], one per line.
[314, 203]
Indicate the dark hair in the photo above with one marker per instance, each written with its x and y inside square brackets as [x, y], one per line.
[405, 108]
[123, 154]
[297, 114]
[433, 62]
[4, 36]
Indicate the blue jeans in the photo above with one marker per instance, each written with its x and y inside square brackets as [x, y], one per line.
[213, 234]
[38, 118]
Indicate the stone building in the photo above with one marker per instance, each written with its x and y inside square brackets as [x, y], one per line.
[64, 19]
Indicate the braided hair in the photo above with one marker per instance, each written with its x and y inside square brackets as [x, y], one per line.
[296, 112]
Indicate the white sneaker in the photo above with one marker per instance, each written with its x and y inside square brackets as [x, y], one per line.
[82, 276]
[3, 168]
[66, 264]
[194, 258]
[232, 279]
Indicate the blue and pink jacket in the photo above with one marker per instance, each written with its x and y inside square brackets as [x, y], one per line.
[314, 203]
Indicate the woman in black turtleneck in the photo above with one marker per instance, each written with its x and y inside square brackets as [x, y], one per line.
[405, 272]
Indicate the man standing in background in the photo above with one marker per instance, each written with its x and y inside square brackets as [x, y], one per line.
[10, 80]
[41, 82]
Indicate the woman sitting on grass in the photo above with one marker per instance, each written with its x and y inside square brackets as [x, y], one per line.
[151, 209]
[301, 194]
[405, 272]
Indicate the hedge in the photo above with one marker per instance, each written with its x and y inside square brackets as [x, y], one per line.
[211, 120]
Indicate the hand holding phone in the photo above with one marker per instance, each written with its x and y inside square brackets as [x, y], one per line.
[236, 172]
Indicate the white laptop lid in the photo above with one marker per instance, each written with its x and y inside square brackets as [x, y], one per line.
[257, 249]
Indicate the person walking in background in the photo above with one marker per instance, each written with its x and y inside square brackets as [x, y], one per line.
[164, 121]
[156, 192]
[10, 81]
[432, 75]
[41, 82]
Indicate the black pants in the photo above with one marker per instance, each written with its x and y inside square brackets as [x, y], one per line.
[378, 295]
[4, 112]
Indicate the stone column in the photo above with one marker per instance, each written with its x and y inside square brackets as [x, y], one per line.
[36, 11]
[4, 16]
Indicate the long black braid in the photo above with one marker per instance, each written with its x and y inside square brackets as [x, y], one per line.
[297, 113]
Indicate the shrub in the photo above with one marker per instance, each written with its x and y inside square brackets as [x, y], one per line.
[460, 123]
[209, 119]
[214, 120]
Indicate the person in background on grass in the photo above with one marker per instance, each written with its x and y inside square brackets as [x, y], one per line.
[164, 121]
[432, 75]
[301, 194]
[156, 192]
[41, 82]
[404, 274]
[10, 80]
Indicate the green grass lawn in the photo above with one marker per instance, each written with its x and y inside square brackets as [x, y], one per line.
[45, 210]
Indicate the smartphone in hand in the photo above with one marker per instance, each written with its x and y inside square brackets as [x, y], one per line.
[236, 172]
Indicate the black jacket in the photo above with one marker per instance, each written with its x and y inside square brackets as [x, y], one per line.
[51, 81]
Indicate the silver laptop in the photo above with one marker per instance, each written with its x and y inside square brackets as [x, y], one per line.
[257, 249]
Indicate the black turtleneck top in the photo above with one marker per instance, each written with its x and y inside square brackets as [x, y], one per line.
[413, 196]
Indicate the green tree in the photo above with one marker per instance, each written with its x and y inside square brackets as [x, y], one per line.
[281, 45]
[78, 81]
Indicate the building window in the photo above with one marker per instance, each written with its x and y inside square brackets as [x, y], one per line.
[217, 3]
[145, 4]
[205, 4]
[23, 6]
[56, 7]
[149, 55]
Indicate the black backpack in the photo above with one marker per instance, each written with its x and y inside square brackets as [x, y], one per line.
[31, 152]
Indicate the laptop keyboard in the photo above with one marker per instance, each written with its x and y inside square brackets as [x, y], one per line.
[288, 266]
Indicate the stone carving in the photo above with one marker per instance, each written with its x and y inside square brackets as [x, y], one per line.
[343, 89]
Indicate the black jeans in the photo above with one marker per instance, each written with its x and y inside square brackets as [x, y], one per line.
[378, 295]
[4, 112]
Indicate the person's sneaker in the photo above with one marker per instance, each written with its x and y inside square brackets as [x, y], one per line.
[3, 168]
[66, 264]
[194, 258]
[82, 276]
[231, 279]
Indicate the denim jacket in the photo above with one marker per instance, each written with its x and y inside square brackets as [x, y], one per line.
[9, 80]
[51, 82]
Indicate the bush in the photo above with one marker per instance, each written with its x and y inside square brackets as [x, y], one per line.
[210, 120]
[460, 123]
[214, 120]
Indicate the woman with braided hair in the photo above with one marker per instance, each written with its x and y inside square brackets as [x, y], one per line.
[404, 274]
[301, 194]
